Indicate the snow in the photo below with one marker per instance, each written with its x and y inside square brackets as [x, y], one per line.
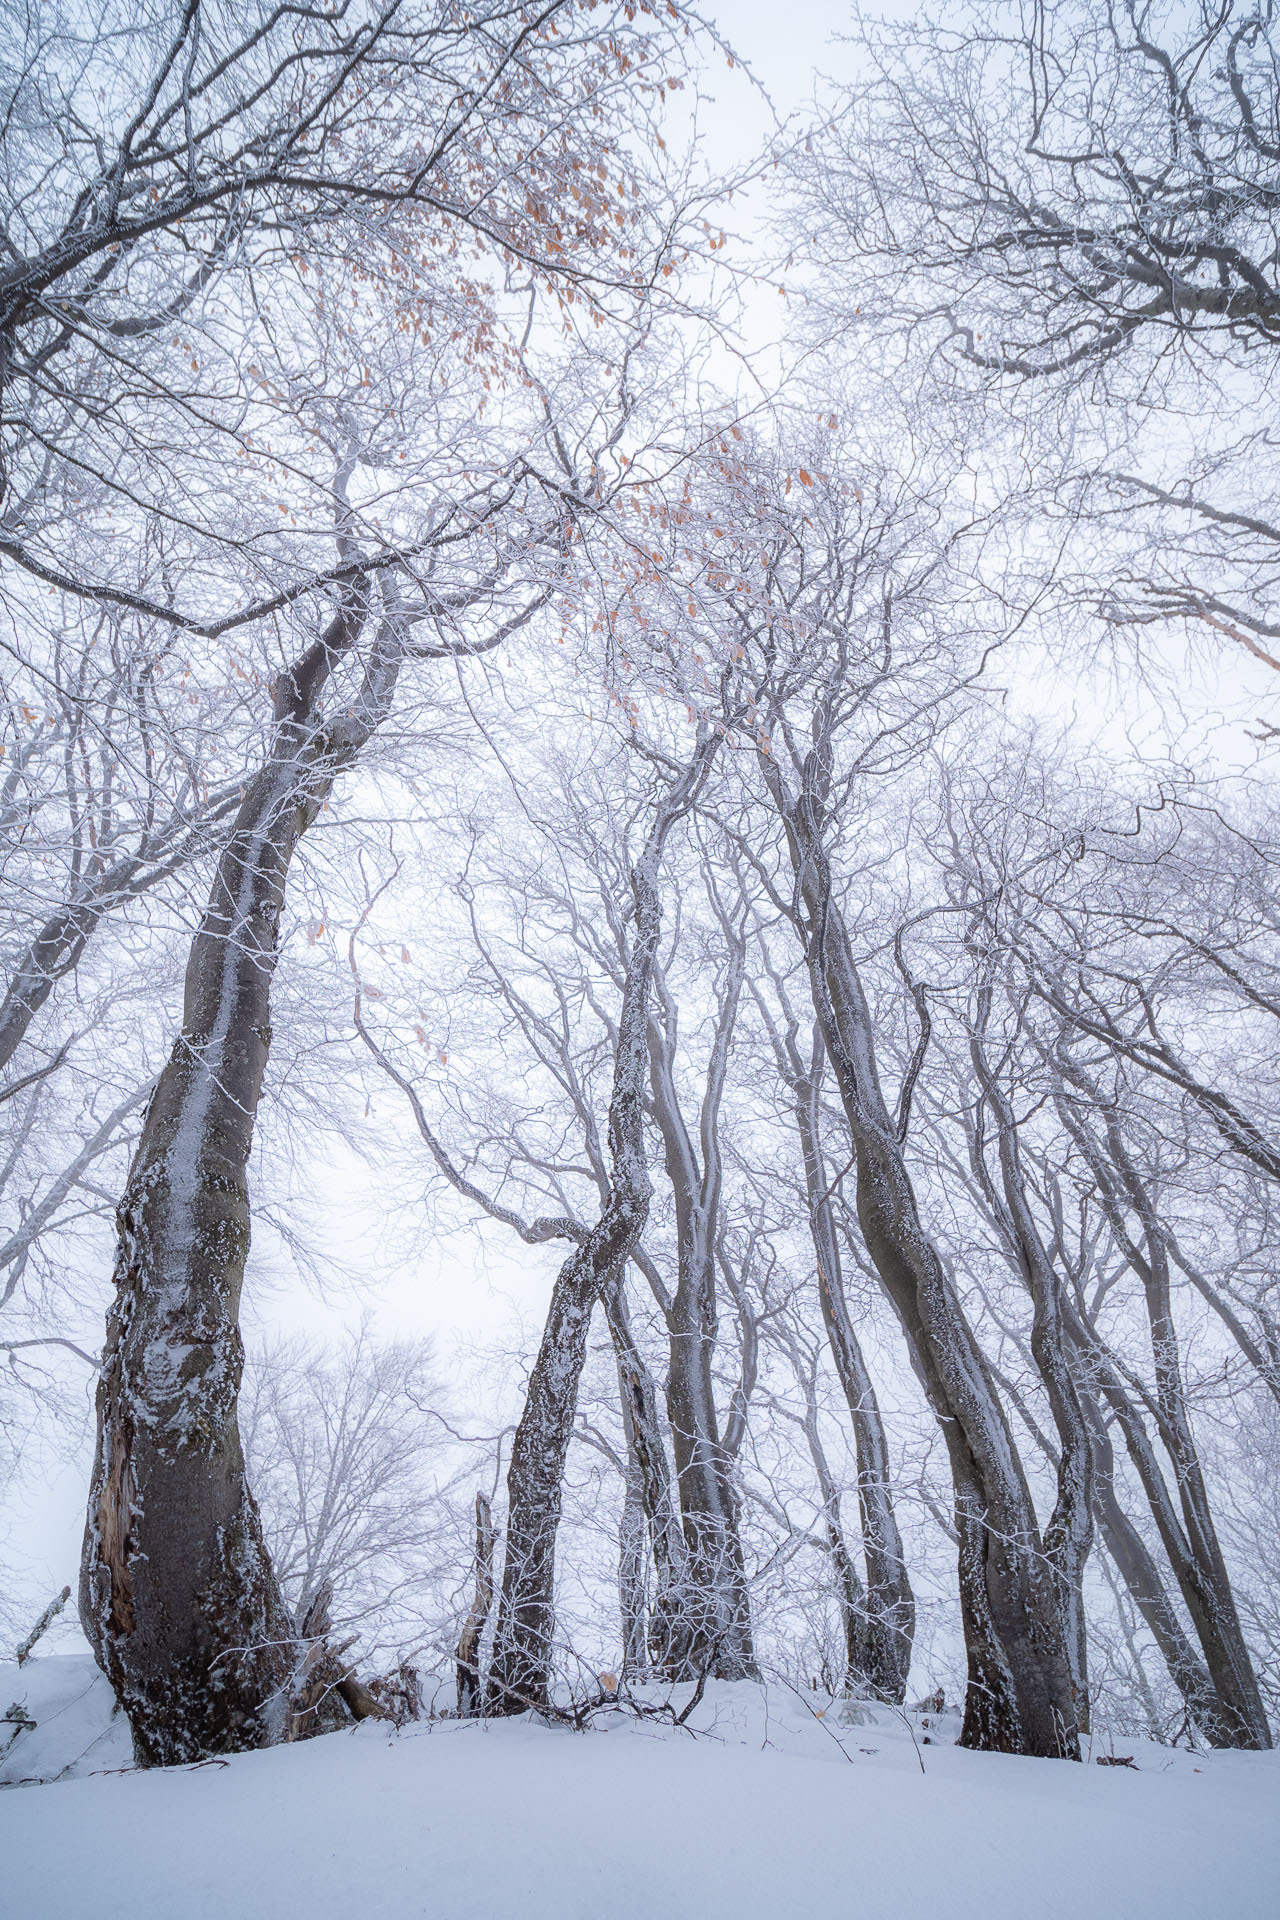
[765, 1810]
[77, 1730]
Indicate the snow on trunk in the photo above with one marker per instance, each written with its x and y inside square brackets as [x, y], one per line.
[1020, 1697]
[520, 1672]
[178, 1598]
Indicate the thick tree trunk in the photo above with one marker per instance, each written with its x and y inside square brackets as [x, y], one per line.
[520, 1671]
[718, 1633]
[177, 1596]
[1020, 1697]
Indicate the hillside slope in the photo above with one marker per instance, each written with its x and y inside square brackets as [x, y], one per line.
[766, 1810]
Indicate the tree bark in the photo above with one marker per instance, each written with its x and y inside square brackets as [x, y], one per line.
[1068, 1538]
[1191, 1542]
[177, 1594]
[884, 1646]
[1020, 1696]
[520, 1671]
[468, 1655]
[664, 1646]
[718, 1627]
[880, 1660]
[1141, 1575]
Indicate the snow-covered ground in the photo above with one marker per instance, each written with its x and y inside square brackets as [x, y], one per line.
[764, 1810]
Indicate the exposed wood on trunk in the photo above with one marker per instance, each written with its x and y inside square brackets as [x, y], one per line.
[468, 1655]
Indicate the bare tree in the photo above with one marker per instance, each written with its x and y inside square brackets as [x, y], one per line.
[1078, 205]
[340, 1447]
[520, 1672]
[881, 1627]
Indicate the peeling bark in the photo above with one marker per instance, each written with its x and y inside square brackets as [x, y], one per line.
[468, 1655]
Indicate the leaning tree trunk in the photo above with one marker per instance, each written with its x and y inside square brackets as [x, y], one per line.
[1230, 1662]
[1195, 1554]
[1068, 1538]
[887, 1637]
[1137, 1568]
[177, 1597]
[1227, 1715]
[520, 1670]
[1020, 1696]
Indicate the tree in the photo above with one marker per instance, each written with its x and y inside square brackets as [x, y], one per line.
[880, 1619]
[844, 648]
[178, 1595]
[340, 1449]
[520, 1670]
[1077, 205]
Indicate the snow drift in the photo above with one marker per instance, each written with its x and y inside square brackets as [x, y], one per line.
[762, 1809]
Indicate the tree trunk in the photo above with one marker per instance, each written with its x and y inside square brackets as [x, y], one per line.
[665, 1648]
[1224, 1713]
[889, 1630]
[1068, 1538]
[1020, 1696]
[1141, 1576]
[718, 1627]
[177, 1595]
[520, 1672]
[719, 1630]
[1192, 1545]
[468, 1655]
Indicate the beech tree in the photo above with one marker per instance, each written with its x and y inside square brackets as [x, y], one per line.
[178, 1595]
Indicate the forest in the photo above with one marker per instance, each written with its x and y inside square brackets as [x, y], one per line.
[640, 841]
